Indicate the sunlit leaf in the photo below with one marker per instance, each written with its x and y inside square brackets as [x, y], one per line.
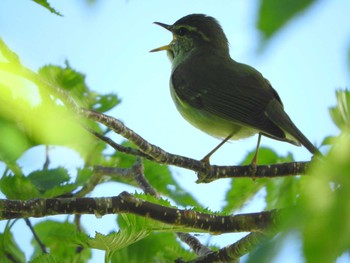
[38, 117]
[13, 140]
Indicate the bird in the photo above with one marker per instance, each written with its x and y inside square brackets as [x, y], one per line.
[224, 98]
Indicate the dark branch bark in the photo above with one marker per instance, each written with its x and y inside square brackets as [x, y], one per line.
[127, 203]
[233, 252]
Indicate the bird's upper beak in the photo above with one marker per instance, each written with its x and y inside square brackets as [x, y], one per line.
[166, 47]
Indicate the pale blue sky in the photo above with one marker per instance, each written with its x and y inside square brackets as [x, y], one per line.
[109, 42]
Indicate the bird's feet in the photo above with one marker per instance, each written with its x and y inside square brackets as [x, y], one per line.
[205, 170]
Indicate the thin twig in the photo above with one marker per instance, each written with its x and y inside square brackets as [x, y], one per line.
[36, 237]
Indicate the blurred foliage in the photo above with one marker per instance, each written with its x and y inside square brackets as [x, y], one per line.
[35, 114]
[273, 15]
[341, 112]
[8, 246]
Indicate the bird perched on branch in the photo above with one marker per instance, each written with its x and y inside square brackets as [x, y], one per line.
[219, 95]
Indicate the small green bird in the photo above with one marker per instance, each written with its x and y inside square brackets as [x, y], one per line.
[218, 95]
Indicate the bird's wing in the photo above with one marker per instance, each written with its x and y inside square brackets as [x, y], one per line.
[237, 93]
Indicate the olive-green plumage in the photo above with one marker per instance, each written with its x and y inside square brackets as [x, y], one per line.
[219, 95]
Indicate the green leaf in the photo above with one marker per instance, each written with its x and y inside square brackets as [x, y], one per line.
[157, 247]
[47, 179]
[133, 228]
[18, 187]
[62, 239]
[46, 5]
[106, 102]
[73, 81]
[59, 190]
[46, 258]
[325, 205]
[282, 192]
[341, 112]
[244, 189]
[13, 140]
[9, 250]
[83, 176]
[273, 15]
[68, 79]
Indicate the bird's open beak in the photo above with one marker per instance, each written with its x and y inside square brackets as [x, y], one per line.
[166, 47]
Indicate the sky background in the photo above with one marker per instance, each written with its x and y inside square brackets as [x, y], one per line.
[110, 42]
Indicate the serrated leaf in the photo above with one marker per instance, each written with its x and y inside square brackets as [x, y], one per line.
[132, 229]
[18, 187]
[73, 81]
[68, 79]
[46, 5]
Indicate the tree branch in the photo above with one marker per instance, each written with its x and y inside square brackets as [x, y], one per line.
[215, 172]
[234, 252]
[127, 203]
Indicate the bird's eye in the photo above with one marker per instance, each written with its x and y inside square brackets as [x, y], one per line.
[181, 31]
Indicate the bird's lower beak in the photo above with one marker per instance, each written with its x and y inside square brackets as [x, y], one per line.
[166, 47]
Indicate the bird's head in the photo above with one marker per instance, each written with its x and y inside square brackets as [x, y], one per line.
[194, 32]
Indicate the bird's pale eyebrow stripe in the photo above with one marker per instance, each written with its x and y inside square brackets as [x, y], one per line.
[194, 29]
